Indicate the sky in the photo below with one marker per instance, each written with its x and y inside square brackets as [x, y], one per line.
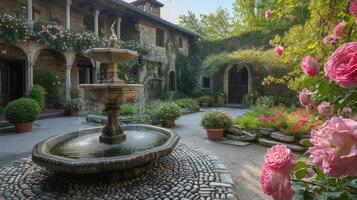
[174, 8]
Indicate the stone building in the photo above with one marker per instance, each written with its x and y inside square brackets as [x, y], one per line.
[139, 21]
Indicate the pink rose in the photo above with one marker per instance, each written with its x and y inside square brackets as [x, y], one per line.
[325, 109]
[353, 9]
[335, 147]
[341, 67]
[304, 97]
[310, 109]
[310, 66]
[338, 31]
[279, 51]
[268, 14]
[346, 112]
[275, 176]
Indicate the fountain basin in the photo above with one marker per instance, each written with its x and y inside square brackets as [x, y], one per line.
[112, 55]
[112, 93]
[80, 152]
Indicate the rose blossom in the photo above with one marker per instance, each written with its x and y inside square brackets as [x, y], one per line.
[304, 97]
[325, 109]
[275, 176]
[353, 9]
[341, 67]
[268, 14]
[279, 51]
[310, 66]
[310, 109]
[335, 147]
[338, 31]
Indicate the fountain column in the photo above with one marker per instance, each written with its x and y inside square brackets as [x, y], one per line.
[119, 28]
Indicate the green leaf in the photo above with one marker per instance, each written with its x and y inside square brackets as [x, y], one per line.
[333, 195]
[307, 143]
[320, 197]
[298, 196]
[354, 183]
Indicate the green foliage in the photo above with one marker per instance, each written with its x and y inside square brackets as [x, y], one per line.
[189, 104]
[247, 122]
[172, 96]
[164, 114]
[319, 185]
[13, 30]
[265, 101]
[37, 93]
[74, 93]
[206, 99]
[192, 22]
[48, 79]
[187, 74]
[250, 98]
[73, 105]
[216, 120]
[134, 46]
[128, 110]
[22, 110]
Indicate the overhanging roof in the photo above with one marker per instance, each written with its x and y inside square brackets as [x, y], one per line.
[154, 18]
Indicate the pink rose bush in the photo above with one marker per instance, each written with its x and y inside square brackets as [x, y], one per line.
[346, 112]
[279, 51]
[341, 67]
[275, 176]
[325, 109]
[330, 40]
[310, 66]
[335, 147]
[268, 14]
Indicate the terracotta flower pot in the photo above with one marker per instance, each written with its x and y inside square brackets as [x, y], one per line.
[23, 127]
[168, 123]
[204, 104]
[215, 134]
[75, 113]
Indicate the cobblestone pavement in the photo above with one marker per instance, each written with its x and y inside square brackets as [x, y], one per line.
[188, 173]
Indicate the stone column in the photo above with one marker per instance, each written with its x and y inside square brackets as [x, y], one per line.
[96, 22]
[119, 28]
[29, 10]
[29, 73]
[68, 14]
[68, 82]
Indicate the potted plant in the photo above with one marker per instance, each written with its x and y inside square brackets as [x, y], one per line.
[167, 114]
[215, 123]
[73, 107]
[38, 93]
[205, 101]
[22, 113]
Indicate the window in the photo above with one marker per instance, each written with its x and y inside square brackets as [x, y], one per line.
[160, 37]
[88, 23]
[206, 82]
[180, 42]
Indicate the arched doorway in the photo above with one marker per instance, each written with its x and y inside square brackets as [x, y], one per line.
[82, 71]
[238, 81]
[172, 81]
[50, 72]
[12, 73]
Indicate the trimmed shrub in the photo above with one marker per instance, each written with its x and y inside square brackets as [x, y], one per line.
[128, 110]
[22, 110]
[189, 104]
[206, 99]
[37, 93]
[48, 79]
[167, 114]
[265, 102]
[247, 122]
[73, 105]
[216, 120]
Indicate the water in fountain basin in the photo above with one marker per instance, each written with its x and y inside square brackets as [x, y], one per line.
[88, 146]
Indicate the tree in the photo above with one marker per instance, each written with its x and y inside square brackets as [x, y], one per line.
[218, 25]
[192, 23]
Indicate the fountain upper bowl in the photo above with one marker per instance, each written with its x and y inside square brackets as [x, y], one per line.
[111, 55]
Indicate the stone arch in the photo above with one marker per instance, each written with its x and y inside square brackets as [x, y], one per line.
[51, 60]
[172, 81]
[13, 71]
[240, 69]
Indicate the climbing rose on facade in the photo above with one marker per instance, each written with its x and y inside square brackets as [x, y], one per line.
[335, 147]
[338, 31]
[310, 66]
[268, 14]
[341, 67]
[279, 51]
[325, 109]
[275, 175]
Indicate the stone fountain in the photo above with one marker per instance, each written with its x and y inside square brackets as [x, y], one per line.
[127, 150]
